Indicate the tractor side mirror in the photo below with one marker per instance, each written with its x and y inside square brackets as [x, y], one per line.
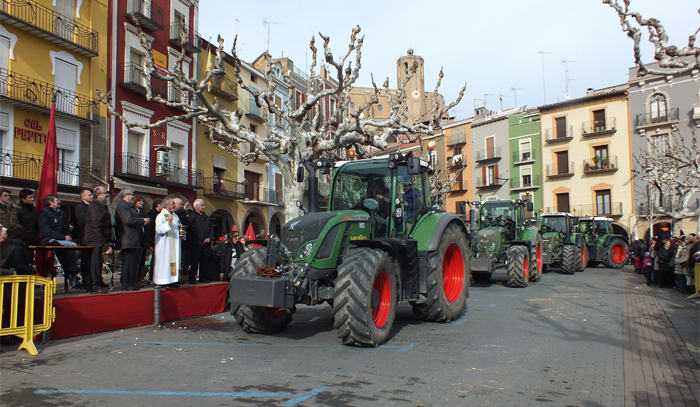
[300, 174]
[413, 166]
[530, 206]
[575, 221]
[472, 219]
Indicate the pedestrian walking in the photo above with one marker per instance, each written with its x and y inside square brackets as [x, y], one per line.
[129, 237]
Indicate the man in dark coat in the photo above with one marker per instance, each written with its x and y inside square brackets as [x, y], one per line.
[80, 215]
[54, 231]
[25, 215]
[129, 237]
[200, 233]
[182, 213]
[15, 255]
[98, 233]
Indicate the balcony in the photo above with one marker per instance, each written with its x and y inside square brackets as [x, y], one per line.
[457, 139]
[254, 110]
[265, 196]
[524, 157]
[460, 186]
[647, 119]
[191, 43]
[136, 78]
[599, 127]
[175, 95]
[138, 167]
[223, 88]
[149, 16]
[643, 209]
[553, 135]
[487, 183]
[488, 154]
[613, 209]
[557, 171]
[456, 161]
[27, 167]
[47, 24]
[598, 165]
[223, 188]
[529, 183]
[32, 94]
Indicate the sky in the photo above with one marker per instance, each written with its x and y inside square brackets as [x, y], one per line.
[494, 47]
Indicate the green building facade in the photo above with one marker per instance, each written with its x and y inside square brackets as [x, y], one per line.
[525, 158]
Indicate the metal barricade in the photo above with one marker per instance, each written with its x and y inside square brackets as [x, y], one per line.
[27, 330]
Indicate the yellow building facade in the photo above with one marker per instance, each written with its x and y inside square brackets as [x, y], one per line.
[53, 48]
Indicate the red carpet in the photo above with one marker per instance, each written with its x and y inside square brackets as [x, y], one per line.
[99, 313]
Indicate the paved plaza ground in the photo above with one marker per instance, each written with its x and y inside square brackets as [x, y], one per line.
[596, 338]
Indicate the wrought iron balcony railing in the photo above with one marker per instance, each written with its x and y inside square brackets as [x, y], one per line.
[602, 209]
[488, 154]
[599, 127]
[275, 196]
[33, 94]
[456, 162]
[598, 164]
[253, 110]
[223, 188]
[531, 182]
[45, 23]
[224, 88]
[482, 182]
[555, 170]
[460, 186]
[556, 134]
[456, 139]
[139, 166]
[150, 16]
[191, 37]
[523, 157]
[646, 119]
[136, 78]
[26, 166]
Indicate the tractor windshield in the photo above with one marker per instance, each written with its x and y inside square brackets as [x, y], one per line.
[585, 226]
[554, 224]
[496, 213]
[354, 183]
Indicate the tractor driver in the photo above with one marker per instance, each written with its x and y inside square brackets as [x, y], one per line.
[377, 190]
[411, 197]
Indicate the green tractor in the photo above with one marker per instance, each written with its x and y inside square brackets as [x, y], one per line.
[382, 241]
[562, 245]
[502, 236]
[604, 245]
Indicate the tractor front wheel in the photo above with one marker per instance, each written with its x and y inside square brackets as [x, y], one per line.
[569, 259]
[254, 319]
[536, 266]
[583, 256]
[447, 279]
[518, 266]
[615, 255]
[364, 303]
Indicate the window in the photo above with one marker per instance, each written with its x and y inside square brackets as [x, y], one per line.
[562, 162]
[461, 207]
[659, 144]
[601, 156]
[526, 176]
[491, 175]
[562, 202]
[525, 152]
[490, 153]
[599, 120]
[658, 108]
[252, 190]
[602, 199]
[66, 75]
[4, 53]
[560, 124]
[457, 150]
[65, 18]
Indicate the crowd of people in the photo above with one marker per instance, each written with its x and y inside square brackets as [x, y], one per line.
[668, 261]
[154, 247]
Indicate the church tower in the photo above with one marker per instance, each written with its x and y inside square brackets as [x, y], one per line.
[415, 88]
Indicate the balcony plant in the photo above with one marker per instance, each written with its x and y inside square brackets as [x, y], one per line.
[605, 163]
[586, 166]
[596, 160]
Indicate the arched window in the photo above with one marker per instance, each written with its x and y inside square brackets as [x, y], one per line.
[657, 104]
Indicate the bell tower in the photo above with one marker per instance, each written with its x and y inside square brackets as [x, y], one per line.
[415, 88]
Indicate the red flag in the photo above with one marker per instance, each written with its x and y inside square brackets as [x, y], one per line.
[250, 233]
[48, 180]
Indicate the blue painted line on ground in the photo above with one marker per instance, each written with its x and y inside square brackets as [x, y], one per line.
[408, 347]
[482, 305]
[460, 322]
[297, 398]
[284, 345]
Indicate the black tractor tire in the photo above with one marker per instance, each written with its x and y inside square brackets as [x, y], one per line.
[569, 259]
[365, 298]
[447, 279]
[615, 256]
[583, 258]
[536, 266]
[254, 319]
[481, 276]
[518, 266]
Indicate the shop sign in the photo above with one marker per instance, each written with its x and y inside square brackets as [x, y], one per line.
[31, 132]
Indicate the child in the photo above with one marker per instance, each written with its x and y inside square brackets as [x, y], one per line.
[648, 267]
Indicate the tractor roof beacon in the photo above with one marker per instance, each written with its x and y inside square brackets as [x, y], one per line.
[382, 241]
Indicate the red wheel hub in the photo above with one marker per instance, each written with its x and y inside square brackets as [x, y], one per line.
[539, 257]
[381, 299]
[617, 253]
[274, 312]
[453, 272]
[583, 257]
[526, 268]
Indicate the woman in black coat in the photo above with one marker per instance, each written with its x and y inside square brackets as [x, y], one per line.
[15, 255]
[666, 264]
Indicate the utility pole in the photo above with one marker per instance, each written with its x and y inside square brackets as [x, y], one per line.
[544, 91]
[268, 24]
[566, 73]
[515, 96]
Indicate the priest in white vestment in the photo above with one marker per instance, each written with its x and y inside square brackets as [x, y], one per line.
[167, 249]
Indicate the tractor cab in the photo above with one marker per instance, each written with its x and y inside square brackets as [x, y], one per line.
[500, 214]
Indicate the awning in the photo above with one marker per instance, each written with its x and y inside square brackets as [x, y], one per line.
[121, 184]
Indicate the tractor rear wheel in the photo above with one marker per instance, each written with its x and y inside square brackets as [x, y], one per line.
[615, 255]
[583, 258]
[254, 319]
[518, 268]
[536, 266]
[447, 279]
[569, 259]
[364, 303]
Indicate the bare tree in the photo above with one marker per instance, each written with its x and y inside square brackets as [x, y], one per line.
[670, 57]
[291, 148]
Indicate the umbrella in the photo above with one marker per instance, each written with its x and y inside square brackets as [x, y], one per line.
[234, 229]
[250, 233]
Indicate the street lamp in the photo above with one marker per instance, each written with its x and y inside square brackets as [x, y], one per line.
[431, 147]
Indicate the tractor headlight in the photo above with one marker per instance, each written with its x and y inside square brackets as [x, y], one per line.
[399, 212]
[306, 250]
[492, 246]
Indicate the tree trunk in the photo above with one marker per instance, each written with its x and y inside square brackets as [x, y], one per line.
[293, 192]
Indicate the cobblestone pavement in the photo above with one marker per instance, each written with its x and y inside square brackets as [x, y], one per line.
[595, 338]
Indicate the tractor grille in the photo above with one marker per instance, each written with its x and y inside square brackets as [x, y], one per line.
[486, 237]
[298, 231]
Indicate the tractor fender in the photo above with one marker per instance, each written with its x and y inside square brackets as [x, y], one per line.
[530, 234]
[579, 240]
[378, 244]
[525, 243]
[608, 238]
[434, 225]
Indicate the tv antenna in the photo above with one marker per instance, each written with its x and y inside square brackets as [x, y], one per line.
[268, 24]
[566, 73]
[544, 91]
[500, 101]
[515, 95]
[481, 100]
